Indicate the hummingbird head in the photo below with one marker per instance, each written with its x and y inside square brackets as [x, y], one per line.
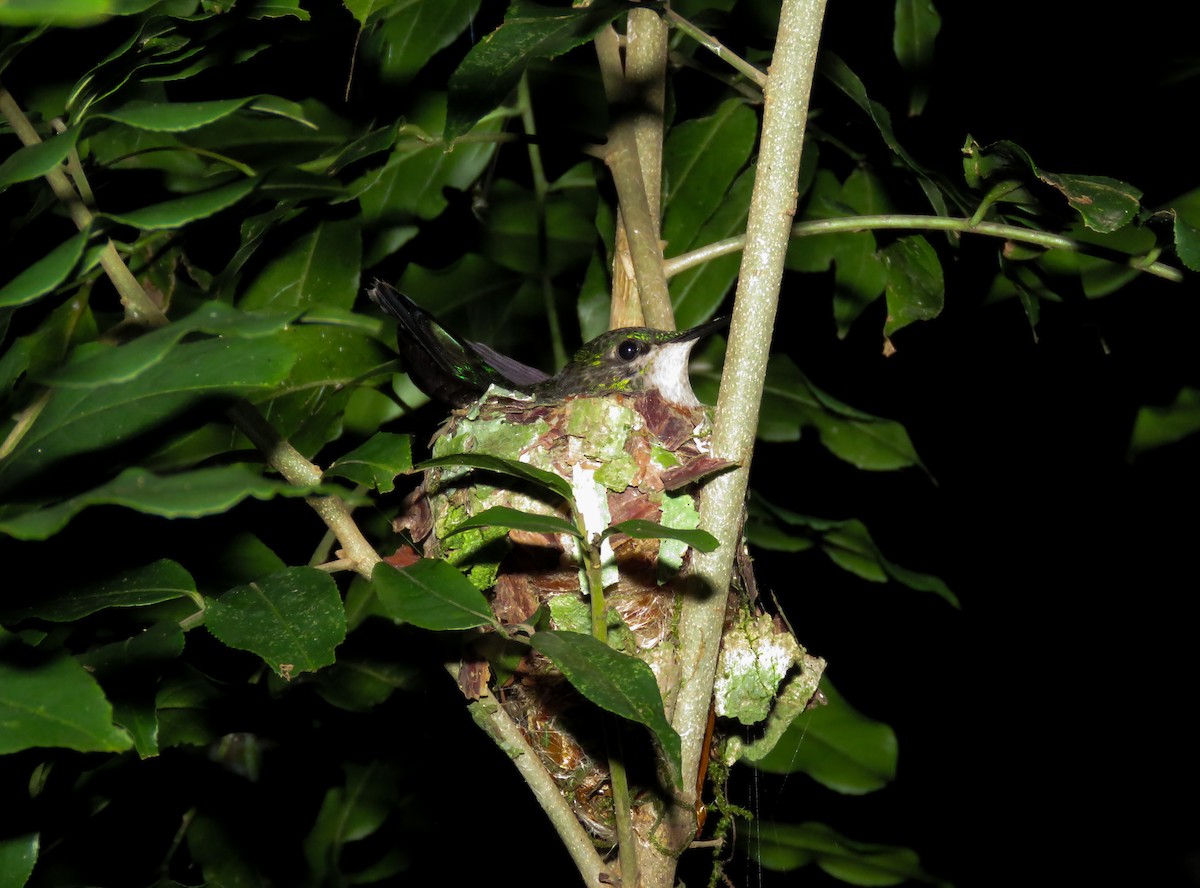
[636, 359]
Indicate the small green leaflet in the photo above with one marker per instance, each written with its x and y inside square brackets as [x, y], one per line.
[616, 682]
[174, 117]
[641, 529]
[503, 516]
[432, 595]
[848, 544]
[33, 161]
[788, 846]
[191, 494]
[45, 274]
[529, 32]
[181, 210]
[162, 580]
[516, 469]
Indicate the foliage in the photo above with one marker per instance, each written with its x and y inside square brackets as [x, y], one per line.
[251, 165]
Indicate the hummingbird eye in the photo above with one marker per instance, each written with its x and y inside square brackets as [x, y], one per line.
[628, 350]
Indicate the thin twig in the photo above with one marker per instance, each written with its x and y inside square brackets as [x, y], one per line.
[138, 304]
[496, 722]
[717, 48]
[928, 223]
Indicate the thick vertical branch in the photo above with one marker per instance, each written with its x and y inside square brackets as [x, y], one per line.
[646, 72]
[636, 89]
[772, 207]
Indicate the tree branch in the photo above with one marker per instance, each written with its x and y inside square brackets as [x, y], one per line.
[769, 226]
[962, 225]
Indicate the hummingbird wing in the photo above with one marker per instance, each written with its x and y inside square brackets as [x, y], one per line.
[440, 364]
[521, 375]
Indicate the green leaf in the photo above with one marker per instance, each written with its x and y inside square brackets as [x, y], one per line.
[52, 702]
[616, 682]
[96, 365]
[174, 117]
[180, 211]
[1187, 243]
[18, 854]
[548, 480]
[697, 293]
[160, 642]
[847, 543]
[206, 491]
[332, 361]
[292, 619]
[787, 846]
[432, 595]
[183, 703]
[1157, 427]
[410, 34]
[47, 273]
[34, 161]
[503, 516]
[350, 813]
[492, 68]
[701, 161]
[837, 746]
[220, 857]
[359, 685]
[319, 268]
[838, 72]
[1104, 204]
[791, 402]
[162, 580]
[640, 529]
[78, 420]
[511, 237]
[917, 26]
[916, 290]
[24, 13]
[860, 274]
[377, 462]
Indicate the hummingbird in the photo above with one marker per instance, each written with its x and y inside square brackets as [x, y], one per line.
[457, 371]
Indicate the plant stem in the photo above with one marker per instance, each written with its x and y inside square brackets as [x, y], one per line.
[139, 306]
[717, 48]
[928, 223]
[772, 207]
[626, 843]
[622, 156]
[646, 74]
[538, 173]
[297, 470]
[496, 722]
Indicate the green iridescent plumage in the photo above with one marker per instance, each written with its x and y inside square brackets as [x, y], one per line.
[454, 370]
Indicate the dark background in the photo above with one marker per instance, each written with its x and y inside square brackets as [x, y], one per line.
[1046, 731]
[1045, 728]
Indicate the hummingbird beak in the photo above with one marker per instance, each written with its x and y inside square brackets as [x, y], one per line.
[699, 332]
